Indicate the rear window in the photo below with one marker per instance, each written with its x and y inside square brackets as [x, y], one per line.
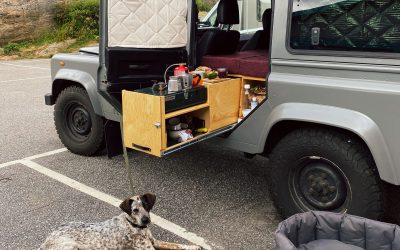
[346, 25]
[262, 5]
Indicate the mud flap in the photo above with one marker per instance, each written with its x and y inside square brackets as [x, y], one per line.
[113, 139]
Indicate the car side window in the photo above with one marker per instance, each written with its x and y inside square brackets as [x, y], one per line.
[213, 19]
[346, 25]
[262, 5]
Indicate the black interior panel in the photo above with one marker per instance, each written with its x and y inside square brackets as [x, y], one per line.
[351, 25]
[130, 68]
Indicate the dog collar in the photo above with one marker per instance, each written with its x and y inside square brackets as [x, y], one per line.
[135, 225]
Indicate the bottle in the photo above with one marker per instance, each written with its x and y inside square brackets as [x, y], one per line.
[246, 104]
[181, 70]
[254, 102]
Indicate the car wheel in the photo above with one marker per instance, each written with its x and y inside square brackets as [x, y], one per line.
[326, 170]
[77, 125]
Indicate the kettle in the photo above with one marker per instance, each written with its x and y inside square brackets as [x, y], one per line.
[186, 81]
[189, 81]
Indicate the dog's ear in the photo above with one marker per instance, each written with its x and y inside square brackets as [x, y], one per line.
[148, 201]
[126, 206]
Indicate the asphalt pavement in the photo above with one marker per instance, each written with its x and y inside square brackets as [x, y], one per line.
[205, 194]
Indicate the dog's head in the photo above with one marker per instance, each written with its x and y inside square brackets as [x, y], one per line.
[138, 208]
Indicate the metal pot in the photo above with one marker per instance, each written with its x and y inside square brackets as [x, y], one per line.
[186, 81]
[174, 84]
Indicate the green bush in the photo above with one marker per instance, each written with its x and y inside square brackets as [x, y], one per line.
[12, 48]
[77, 19]
[203, 5]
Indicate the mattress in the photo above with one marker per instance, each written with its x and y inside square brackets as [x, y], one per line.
[147, 23]
[254, 63]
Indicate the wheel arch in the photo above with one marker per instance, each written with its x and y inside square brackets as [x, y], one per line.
[69, 77]
[286, 118]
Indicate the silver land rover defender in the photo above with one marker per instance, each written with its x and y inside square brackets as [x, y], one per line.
[324, 75]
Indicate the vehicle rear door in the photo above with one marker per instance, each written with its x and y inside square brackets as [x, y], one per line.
[139, 40]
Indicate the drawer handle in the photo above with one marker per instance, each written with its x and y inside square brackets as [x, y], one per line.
[157, 125]
[141, 147]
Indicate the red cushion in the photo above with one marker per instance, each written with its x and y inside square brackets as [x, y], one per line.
[230, 62]
[253, 63]
[256, 66]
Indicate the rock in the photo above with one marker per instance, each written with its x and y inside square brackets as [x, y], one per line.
[24, 19]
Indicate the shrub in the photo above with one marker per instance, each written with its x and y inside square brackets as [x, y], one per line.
[203, 5]
[77, 19]
[12, 48]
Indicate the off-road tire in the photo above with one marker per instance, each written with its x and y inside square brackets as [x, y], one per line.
[349, 161]
[80, 129]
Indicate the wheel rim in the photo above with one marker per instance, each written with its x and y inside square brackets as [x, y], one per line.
[319, 184]
[78, 121]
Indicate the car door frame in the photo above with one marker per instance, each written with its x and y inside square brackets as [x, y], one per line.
[102, 81]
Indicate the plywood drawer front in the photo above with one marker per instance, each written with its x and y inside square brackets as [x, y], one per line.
[224, 100]
[142, 121]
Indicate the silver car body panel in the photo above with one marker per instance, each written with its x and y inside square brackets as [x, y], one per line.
[358, 92]
[82, 68]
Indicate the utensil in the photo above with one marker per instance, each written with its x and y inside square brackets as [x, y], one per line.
[222, 73]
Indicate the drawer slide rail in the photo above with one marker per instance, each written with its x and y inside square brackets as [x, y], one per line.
[200, 139]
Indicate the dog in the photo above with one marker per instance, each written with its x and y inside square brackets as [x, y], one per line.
[128, 230]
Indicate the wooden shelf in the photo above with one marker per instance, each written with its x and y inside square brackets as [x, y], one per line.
[186, 110]
[185, 142]
[249, 78]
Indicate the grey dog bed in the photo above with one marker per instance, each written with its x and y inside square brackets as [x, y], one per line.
[332, 231]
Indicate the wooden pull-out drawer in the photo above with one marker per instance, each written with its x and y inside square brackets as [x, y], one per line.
[144, 119]
[144, 126]
[224, 101]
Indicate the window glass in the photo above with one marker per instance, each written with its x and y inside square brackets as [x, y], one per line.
[213, 19]
[346, 25]
[262, 5]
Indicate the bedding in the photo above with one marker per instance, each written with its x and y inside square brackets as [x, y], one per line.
[147, 23]
[254, 63]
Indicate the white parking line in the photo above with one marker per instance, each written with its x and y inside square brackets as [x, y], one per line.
[10, 163]
[54, 152]
[23, 66]
[25, 79]
[157, 220]
[34, 157]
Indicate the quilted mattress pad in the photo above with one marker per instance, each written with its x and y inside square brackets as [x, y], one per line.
[147, 23]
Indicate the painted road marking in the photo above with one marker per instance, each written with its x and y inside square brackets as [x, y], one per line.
[10, 163]
[23, 66]
[25, 79]
[54, 152]
[157, 220]
[34, 157]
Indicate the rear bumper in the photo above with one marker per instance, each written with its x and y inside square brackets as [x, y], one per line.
[49, 99]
